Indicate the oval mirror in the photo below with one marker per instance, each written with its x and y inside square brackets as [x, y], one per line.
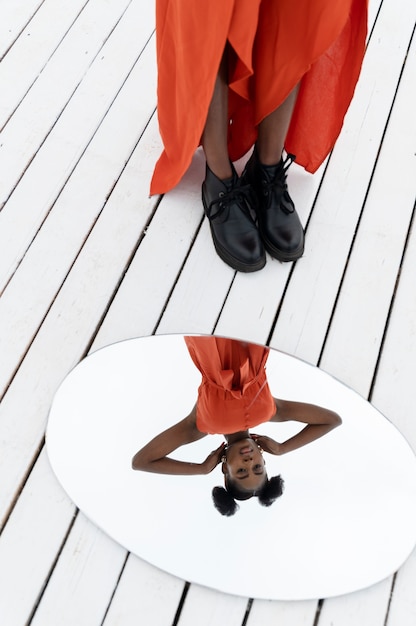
[347, 516]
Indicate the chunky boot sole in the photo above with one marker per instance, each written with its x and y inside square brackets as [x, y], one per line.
[278, 254]
[235, 263]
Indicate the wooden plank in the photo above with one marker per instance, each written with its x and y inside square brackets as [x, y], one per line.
[394, 391]
[42, 182]
[369, 283]
[34, 118]
[144, 593]
[162, 253]
[394, 394]
[30, 541]
[368, 607]
[34, 286]
[206, 607]
[367, 291]
[30, 53]
[69, 325]
[88, 567]
[403, 604]
[300, 613]
[311, 295]
[71, 322]
[14, 17]
[200, 291]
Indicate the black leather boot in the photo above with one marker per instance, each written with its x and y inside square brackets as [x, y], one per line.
[279, 224]
[236, 238]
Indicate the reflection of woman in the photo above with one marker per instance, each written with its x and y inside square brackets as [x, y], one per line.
[233, 397]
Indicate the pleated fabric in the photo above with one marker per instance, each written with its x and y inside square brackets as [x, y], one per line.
[234, 394]
[276, 44]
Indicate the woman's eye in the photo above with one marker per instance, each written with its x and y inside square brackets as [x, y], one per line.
[241, 471]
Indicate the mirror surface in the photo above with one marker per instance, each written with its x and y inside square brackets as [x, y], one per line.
[346, 520]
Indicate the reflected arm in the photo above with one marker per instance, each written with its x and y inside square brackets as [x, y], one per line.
[153, 457]
[319, 421]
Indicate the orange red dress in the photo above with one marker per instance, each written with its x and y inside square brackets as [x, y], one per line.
[234, 394]
[276, 44]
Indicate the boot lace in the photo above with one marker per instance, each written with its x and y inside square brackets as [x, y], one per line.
[239, 194]
[276, 189]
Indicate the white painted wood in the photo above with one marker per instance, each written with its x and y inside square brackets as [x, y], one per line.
[27, 58]
[144, 593]
[203, 284]
[251, 304]
[301, 326]
[312, 292]
[210, 608]
[30, 541]
[367, 607]
[87, 568]
[300, 613]
[43, 180]
[70, 323]
[394, 393]
[373, 8]
[66, 227]
[366, 300]
[403, 604]
[370, 280]
[161, 254]
[43, 105]
[83, 287]
[13, 18]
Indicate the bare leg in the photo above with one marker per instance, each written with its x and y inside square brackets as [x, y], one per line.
[214, 138]
[273, 130]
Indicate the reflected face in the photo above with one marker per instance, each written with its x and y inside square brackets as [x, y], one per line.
[245, 465]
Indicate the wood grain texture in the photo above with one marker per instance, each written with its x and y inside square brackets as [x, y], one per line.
[87, 259]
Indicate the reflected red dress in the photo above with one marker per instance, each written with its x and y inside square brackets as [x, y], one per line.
[276, 43]
[234, 394]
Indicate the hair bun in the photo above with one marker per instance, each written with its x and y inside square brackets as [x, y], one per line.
[224, 502]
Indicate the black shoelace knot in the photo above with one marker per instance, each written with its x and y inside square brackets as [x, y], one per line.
[276, 189]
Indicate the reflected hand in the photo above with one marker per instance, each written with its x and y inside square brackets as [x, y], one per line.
[267, 444]
[213, 459]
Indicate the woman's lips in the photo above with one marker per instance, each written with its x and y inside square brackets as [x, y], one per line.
[246, 450]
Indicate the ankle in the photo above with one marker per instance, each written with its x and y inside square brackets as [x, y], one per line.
[222, 173]
[268, 158]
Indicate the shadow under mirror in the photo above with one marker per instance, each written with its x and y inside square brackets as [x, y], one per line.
[307, 492]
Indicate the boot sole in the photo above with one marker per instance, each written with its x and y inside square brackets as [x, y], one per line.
[235, 263]
[280, 255]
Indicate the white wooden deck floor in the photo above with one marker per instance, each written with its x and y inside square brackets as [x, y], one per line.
[87, 259]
